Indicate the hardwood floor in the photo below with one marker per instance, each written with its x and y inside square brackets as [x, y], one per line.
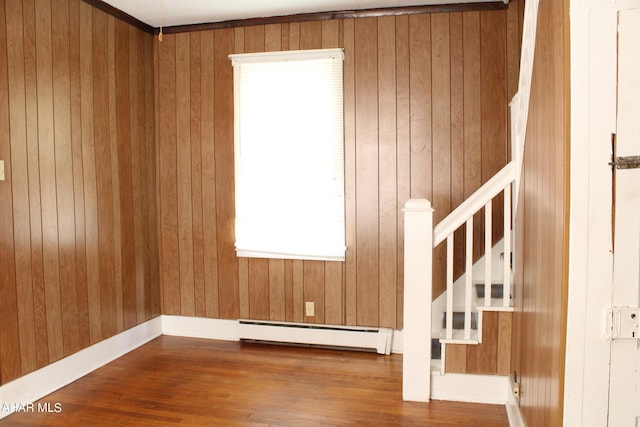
[195, 382]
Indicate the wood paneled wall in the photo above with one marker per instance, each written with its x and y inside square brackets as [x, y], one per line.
[425, 116]
[542, 232]
[78, 247]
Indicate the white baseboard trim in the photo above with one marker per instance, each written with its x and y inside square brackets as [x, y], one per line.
[513, 409]
[40, 383]
[200, 327]
[491, 389]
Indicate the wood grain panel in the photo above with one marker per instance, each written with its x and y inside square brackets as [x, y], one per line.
[168, 214]
[387, 191]
[184, 160]
[482, 358]
[68, 112]
[223, 136]
[9, 337]
[125, 176]
[46, 138]
[64, 176]
[89, 174]
[492, 356]
[441, 135]
[403, 149]
[210, 245]
[539, 355]
[413, 108]
[75, 94]
[20, 185]
[420, 95]
[196, 107]
[494, 105]
[367, 222]
[115, 173]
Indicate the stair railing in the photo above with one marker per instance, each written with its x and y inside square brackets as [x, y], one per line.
[416, 380]
[463, 215]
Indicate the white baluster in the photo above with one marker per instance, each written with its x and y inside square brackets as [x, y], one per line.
[488, 243]
[449, 312]
[506, 290]
[468, 280]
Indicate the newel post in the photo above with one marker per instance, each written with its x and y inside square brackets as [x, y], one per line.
[418, 253]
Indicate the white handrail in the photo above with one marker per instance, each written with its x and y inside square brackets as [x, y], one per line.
[474, 203]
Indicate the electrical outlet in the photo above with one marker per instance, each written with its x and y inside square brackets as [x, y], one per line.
[1, 170]
[309, 309]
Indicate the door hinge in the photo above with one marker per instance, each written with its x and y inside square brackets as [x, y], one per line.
[627, 162]
[622, 323]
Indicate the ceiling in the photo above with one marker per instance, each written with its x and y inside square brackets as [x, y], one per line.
[186, 12]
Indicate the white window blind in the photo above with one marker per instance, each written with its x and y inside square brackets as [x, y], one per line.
[289, 155]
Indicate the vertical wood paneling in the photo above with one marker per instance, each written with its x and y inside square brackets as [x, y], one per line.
[441, 134]
[387, 191]
[420, 95]
[89, 174]
[64, 176]
[115, 173]
[367, 154]
[223, 136]
[168, 214]
[125, 177]
[458, 126]
[539, 355]
[413, 100]
[196, 172]
[20, 185]
[84, 336]
[9, 337]
[210, 245]
[403, 149]
[48, 178]
[183, 170]
[69, 116]
[473, 176]
[494, 104]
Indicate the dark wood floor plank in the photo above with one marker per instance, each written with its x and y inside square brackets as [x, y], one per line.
[195, 382]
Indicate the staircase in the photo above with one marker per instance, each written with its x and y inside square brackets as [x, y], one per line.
[456, 316]
[486, 285]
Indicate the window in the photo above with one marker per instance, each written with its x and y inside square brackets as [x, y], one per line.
[289, 155]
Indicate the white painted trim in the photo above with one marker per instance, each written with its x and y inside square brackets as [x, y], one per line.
[397, 342]
[513, 409]
[490, 389]
[418, 253]
[37, 384]
[200, 327]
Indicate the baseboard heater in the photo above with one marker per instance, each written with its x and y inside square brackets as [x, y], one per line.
[348, 337]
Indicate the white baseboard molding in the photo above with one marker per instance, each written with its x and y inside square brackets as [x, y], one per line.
[491, 389]
[200, 327]
[513, 409]
[40, 383]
